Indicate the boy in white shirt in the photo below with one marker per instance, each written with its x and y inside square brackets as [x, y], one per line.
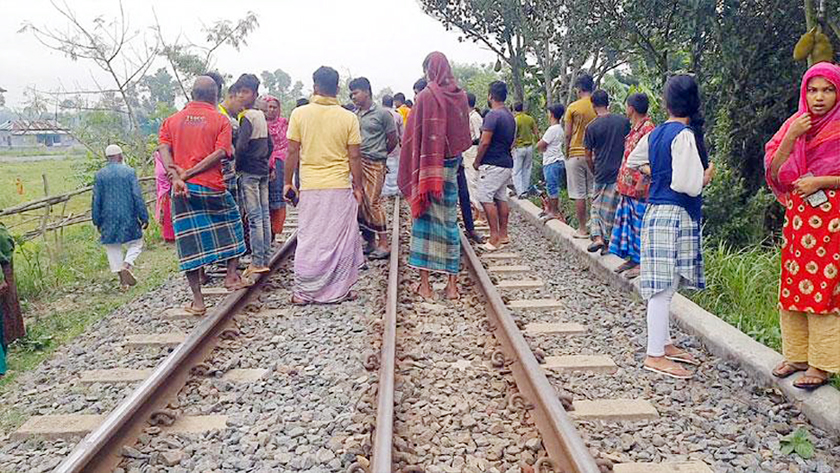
[554, 169]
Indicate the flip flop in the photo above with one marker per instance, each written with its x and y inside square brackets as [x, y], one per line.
[379, 254]
[667, 372]
[810, 386]
[262, 270]
[626, 266]
[193, 311]
[683, 357]
[489, 247]
[580, 237]
[595, 247]
[506, 241]
[785, 369]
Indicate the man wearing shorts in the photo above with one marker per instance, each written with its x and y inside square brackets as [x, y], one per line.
[578, 173]
[494, 164]
[551, 146]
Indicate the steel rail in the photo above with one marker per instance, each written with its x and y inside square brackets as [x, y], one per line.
[382, 450]
[559, 436]
[100, 450]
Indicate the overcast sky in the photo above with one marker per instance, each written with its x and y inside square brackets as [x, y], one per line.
[384, 40]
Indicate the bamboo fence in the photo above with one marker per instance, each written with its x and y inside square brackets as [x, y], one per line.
[38, 218]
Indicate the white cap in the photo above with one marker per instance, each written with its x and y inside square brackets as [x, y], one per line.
[112, 150]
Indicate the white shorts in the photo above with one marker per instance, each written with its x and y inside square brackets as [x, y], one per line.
[492, 182]
[579, 179]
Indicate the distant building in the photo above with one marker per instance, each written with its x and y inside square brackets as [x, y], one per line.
[30, 133]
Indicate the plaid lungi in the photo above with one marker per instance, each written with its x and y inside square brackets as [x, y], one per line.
[626, 239]
[208, 227]
[435, 240]
[602, 213]
[372, 215]
[670, 247]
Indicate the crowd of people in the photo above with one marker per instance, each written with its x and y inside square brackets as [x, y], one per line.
[226, 171]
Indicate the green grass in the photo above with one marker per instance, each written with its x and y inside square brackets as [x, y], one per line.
[42, 151]
[61, 298]
[64, 283]
[60, 176]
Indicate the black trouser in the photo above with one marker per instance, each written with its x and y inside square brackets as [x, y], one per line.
[464, 200]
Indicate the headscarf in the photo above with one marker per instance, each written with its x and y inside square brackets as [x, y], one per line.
[438, 128]
[163, 185]
[818, 150]
[277, 131]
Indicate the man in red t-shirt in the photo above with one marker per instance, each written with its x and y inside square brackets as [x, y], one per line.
[208, 227]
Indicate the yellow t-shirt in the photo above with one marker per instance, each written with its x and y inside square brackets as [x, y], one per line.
[579, 114]
[324, 130]
[404, 111]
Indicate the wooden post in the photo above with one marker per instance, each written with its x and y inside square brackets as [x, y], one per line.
[45, 218]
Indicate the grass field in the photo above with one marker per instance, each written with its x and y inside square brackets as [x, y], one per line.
[60, 176]
[66, 287]
[42, 151]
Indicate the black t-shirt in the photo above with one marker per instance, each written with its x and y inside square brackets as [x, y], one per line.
[605, 138]
[501, 122]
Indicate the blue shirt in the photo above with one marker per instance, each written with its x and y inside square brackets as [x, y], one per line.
[501, 122]
[661, 171]
[118, 209]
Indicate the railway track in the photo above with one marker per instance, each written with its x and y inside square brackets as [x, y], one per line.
[101, 449]
[427, 385]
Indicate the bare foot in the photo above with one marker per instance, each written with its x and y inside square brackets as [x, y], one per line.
[452, 292]
[425, 292]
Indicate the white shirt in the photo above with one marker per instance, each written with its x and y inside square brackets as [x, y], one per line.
[686, 166]
[475, 125]
[554, 137]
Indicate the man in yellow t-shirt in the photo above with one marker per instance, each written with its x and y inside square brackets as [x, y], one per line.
[579, 178]
[523, 149]
[325, 139]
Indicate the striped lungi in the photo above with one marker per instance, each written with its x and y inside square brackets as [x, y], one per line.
[626, 239]
[208, 227]
[329, 249]
[602, 214]
[435, 240]
[372, 215]
[670, 246]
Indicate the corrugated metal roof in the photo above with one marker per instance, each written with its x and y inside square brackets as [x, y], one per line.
[33, 127]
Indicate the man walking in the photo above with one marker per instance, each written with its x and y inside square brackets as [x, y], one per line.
[579, 176]
[379, 137]
[494, 163]
[119, 213]
[523, 153]
[208, 227]
[390, 188]
[604, 141]
[253, 152]
[325, 139]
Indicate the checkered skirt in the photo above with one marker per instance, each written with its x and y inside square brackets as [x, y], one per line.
[670, 246]
[435, 240]
[208, 227]
[625, 241]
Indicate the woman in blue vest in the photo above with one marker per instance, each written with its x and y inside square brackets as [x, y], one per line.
[675, 157]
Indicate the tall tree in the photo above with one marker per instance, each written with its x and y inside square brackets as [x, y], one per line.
[124, 54]
[497, 24]
[189, 60]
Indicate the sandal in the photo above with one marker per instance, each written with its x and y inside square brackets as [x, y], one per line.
[193, 311]
[671, 372]
[626, 266]
[595, 247]
[490, 247]
[683, 357]
[821, 381]
[378, 254]
[787, 368]
[580, 236]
